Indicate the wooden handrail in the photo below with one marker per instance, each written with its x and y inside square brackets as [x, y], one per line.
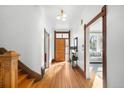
[9, 69]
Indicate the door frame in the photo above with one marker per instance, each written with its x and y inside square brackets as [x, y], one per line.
[55, 32]
[102, 15]
[45, 32]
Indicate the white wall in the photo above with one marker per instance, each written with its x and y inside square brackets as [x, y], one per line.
[115, 46]
[78, 29]
[51, 45]
[21, 29]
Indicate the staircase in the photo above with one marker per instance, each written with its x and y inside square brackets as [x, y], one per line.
[24, 81]
[26, 77]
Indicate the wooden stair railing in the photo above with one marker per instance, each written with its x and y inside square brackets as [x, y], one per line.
[9, 70]
[24, 69]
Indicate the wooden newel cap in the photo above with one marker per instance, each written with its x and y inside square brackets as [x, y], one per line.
[12, 53]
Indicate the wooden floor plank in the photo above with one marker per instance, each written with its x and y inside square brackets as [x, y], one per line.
[62, 75]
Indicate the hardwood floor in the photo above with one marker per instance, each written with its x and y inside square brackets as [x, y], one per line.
[61, 75]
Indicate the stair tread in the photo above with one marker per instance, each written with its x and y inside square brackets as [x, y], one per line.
[21, 77]
[26, 83]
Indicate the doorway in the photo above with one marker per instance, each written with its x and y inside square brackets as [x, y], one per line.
[61, 46]
[46, 48]
[95, 49]
[95, 53]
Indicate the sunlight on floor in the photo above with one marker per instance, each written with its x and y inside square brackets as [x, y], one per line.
[97, 82]
[97, 70]
[62, 75]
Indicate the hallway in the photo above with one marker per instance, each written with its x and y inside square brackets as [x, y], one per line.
[61, 75]
[82, 36]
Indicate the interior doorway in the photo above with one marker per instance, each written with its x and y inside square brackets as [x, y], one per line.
[95, 49]
[95, 53]
[46, 48]
[61, 46]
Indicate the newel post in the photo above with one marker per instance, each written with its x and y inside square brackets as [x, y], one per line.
[9, 70]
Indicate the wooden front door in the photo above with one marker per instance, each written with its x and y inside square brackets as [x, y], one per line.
[60, 50]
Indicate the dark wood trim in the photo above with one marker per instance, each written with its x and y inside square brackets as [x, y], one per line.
[85, 49]
[95, 18]
[61, 32]
[95, 62]
[44, 49]
[69, 45]
[102, 15]
[55, 32]
[48, 48]
[54, 45]
[104, 30]
[64, 49]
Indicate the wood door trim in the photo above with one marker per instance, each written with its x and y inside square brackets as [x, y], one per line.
[55, 32]
[54, 45]
[62, 32]
[95, 18]
[48, 48]
[104, 47]
[104, 31]
[45, 55]
[69, 45]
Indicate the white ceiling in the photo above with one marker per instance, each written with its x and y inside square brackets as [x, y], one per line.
[72, 11]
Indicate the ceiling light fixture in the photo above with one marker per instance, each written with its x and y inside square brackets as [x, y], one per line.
[63, 19]
[62, 16]
[58, 17]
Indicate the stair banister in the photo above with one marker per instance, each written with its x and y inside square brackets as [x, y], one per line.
[9, 70]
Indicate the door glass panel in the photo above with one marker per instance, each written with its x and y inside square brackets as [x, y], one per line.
[65, 35]
[58, 35]
[66, 42]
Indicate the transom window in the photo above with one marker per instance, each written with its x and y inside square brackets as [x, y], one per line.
[62, 35]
